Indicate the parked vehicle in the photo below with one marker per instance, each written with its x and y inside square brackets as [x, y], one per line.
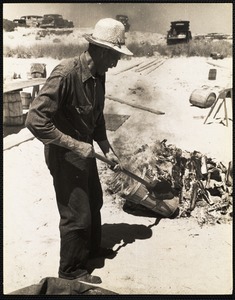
[179, 32]
[125, 21]
[55, 21]
[28, 21]
[20, 22]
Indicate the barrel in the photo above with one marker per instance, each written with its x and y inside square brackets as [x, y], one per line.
[202, 98]
[26, 99]
[141, 195]
[12, 109]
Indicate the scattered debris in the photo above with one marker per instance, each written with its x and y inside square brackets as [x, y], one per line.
[198, 181]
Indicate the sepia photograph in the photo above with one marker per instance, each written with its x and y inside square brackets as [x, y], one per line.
[118, 148]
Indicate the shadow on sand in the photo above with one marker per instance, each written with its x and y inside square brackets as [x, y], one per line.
[120, 234]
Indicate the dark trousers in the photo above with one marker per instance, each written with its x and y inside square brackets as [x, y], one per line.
[79, 199]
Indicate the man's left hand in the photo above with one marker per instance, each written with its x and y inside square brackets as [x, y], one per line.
[112, 157]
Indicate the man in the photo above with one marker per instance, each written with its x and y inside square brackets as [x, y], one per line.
[67, 116]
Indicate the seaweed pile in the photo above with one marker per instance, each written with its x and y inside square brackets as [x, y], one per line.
[203, 185]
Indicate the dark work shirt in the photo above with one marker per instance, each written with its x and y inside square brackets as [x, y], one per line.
[71, 102]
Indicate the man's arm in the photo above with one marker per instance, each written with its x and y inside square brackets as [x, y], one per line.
[43, 108]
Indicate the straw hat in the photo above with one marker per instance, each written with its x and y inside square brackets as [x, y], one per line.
[109, 33]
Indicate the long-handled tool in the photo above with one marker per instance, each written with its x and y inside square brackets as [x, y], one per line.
[149, 185]
[156, 196]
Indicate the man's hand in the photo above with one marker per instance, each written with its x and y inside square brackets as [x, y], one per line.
[109, 154]
[85, 150]
[112, 157]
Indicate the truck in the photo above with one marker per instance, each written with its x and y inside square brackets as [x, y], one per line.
[55, 21]
[179, 32]
[124, 20]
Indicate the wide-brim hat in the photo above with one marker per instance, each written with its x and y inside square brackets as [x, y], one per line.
[109, 33]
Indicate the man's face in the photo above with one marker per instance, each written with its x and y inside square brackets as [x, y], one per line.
[108, 60]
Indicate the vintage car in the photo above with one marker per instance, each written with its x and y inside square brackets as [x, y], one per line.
[55, 21]
[179, 32]
[28, 21]
[20, 22]
[125, 21]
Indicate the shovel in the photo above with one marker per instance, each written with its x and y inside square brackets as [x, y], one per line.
[149, 194]
[74, 160]
[147, 184]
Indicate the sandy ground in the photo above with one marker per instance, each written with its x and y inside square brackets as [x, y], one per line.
[172, 256]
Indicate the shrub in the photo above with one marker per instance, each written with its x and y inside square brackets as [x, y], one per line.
[8, 25]
[56, 40]
[59, 50]
[141, 49]
[56, 51]
[196, 48]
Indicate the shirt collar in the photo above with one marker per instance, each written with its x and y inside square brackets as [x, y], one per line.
[86, 72]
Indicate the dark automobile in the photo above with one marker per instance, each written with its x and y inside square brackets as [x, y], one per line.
[125, 21]
[55, 21]
[179, 32]
[20, 22]
[28, 21]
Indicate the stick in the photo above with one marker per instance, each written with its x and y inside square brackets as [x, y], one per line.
[125, 171]
[157, 112]
[155, 67]
[144, 63]
[212, 107]
[128, 68]
[215, 65]
[147, 65]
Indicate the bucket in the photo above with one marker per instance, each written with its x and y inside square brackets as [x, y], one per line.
[203, 97]
[163, 205]
[26, 99]
[38, 70]
[12, 109]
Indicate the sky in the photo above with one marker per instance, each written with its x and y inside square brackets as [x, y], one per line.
[146, 17]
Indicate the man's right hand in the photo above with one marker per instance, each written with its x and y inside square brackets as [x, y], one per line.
[85, 150]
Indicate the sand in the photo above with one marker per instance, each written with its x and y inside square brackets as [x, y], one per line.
[172, 256]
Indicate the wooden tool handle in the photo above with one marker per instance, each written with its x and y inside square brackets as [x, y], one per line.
[125, 171]
[106, 160]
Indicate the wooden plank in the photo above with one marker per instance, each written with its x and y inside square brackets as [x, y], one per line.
[21, 84]
[154, 67]
[14, 140]
[129, 67]
[157, 112]
[218, 65]
[146, 66]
